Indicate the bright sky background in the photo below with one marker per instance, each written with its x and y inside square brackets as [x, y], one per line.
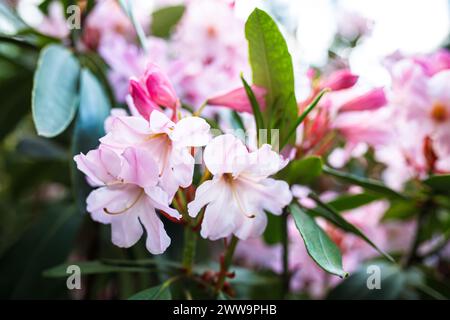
[411, 26]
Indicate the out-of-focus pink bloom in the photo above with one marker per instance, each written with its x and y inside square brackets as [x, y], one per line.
[128, 196]
[126, 60]
[168, 142]
[419, 121]
[240, 190]
[237, 99]
[211, 49]
[371, 100]
[152, 91]
[307, 276]
[54, 24]
[338, 80]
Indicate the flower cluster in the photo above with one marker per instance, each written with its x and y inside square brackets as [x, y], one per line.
[144, 159]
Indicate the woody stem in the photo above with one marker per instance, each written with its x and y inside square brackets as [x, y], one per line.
[226, 263]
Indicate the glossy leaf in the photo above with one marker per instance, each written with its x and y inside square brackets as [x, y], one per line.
[329, 213]
[55, 90]
[164, 20]
[319, 246]
[302, 171]
[272, 69]
[368, 184]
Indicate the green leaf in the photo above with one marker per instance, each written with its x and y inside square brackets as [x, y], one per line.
[164, 20]
[302, 171]
[37, 148]
[255, 106]
[351, 201]
[368, 184]
[273, 232]
[329, 213]
[91, 267]
[55, 90]
[161, 292]
[401, 210]
[89, 127]
[319, 246]
[302, 117]
[439, 183]
[395, 284]
[272, 69]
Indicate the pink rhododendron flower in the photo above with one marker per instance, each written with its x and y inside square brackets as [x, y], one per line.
[152, 91]
[237, 99]
[127, 196]
[168, 142]
[240, 190]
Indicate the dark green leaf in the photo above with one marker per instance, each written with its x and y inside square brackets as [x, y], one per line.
[40, 149]
[272, 69]
[164, 20]
[319, 246]
[395, 284]
[329, 213]
[16, 96]
[302, 171]
[400, 210]
[273, 232]
[352, 201]
[45, 244]
[302, 117]
[368, 184]
[91, 267]
[55, 90]
[255, 106]
[439, 183]
[161, 292]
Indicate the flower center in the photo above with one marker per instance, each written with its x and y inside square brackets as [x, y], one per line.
[439, 112]
[141, 192]
[228, 177]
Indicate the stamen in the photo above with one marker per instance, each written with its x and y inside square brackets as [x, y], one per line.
[241, 207]
[126, 208]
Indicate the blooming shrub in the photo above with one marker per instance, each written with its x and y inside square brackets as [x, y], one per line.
[186, 127]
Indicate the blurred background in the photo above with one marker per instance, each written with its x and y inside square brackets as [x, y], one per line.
[42, 221]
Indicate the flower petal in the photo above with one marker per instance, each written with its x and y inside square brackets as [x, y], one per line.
[160, 123]
[139, 167]
[157, 239]
[160, 200]
[101, 166]
[225, 154]
[126, 229]
[191, 132]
